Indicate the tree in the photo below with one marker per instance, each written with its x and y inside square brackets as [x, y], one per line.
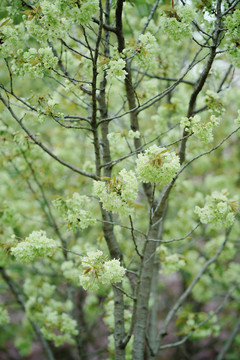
[119, 179]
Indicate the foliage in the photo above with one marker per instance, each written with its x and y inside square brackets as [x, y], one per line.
[119, 132]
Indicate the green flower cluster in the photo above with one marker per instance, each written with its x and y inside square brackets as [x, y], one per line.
[115, 69]
[34, 246]
[219, 210]
[120, 194]
[188, 322]
[157, 165]
[214, 103]
[170, 262]
[203, 131]
[4, 317]
[9, 38]
[34, 62]
[178, 24]
[98, 271]
[72, 212]
[55, 324]
[146, 51]
[70, 272]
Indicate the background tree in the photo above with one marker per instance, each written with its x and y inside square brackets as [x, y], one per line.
[119, 179]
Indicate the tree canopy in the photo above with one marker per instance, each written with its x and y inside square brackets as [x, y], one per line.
[119, 153]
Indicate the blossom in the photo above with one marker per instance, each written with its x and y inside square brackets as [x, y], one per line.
[218, 210]
[34, 246]
[98, 271]
[120, 194]
[157, 165]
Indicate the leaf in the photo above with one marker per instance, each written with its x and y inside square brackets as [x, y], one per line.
[87, 271]
[4, 22]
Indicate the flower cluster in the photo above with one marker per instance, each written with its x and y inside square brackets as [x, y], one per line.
[115, 68]
[50, 20]
[145, 51]
[157, 165]
[203, 131]
[237, 120]
[233, 35]
[219, 210]
[178, 24]
[71, 209]
[188, 322]
[4, 317]
[70, 272]
[98, 271]
[170, 262]
[55, 324]
[133, 134]
[214, 103]
[34, 246]
[119, 195]
[9, 38]
[34, 62]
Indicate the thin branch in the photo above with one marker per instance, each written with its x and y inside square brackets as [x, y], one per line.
[183, 297]
[210, 316]
[177, 239]
[44, 148]
[124, 292]
[227, 345]
[133, 237]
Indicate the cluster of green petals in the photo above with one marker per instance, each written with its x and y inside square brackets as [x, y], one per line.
[202, 130]
[145, 52]
[219, 210]
[214, 103]
[190, 322]
[119, 194]
[170, 263]
[157, 165]
[98, 271]
[115, 69]
[70, 271]
[51, 315]
[71, 210]
[34, 62]
[178, 23]
[36, 245]
[4, 317]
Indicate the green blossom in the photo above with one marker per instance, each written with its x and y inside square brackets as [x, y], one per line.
[115, 68]
[179, 26]
[34, 246]
[145, 51]
[71, 209]
[188, 322]
[219, 210]
[203, 131]
[98, 271]
[55, 324]
[120, 194]
[214, 103]
[170, 262]
[4, 317]
[34, 62]
[157, 165]
[70, 272]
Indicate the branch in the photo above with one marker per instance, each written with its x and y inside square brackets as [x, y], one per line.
[227, 345]
[44, 148]
[183, 297]
[183, 340]
[178, 239]
[133, 237]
